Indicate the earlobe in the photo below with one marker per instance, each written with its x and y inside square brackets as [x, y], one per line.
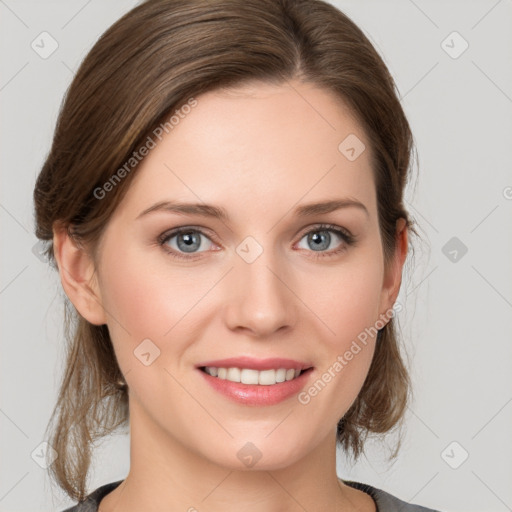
[393, 277]
[76, 270]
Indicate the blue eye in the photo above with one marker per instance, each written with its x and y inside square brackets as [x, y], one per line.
[188, 241]
[320, 238]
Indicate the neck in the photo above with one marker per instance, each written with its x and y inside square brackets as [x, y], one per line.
[165, 474]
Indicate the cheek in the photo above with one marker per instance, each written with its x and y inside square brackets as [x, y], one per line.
[148, 300]
[351, 299]
[349, 307]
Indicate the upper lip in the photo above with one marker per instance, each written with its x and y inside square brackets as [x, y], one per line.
[257, 364]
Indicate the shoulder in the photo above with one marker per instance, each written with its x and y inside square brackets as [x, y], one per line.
[387, 502]
[92, 501]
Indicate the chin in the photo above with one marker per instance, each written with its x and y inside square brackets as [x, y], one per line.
[260, 453]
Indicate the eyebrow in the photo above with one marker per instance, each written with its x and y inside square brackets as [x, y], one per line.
[208, 210]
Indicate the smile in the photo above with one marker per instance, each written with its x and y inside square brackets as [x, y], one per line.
[250, 376]
[251, 387]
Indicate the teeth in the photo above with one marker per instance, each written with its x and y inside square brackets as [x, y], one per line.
[248, 376]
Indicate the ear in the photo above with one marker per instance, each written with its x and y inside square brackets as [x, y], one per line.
[393, 274]
[77, 275]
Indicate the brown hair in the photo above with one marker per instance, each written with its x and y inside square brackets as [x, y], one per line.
[144, 67]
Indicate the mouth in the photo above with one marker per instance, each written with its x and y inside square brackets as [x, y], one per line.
[249, 376]
[253, 382]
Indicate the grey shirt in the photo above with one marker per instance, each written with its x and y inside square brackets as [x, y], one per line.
[385, 502]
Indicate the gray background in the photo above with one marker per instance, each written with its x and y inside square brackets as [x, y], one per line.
[457, 315]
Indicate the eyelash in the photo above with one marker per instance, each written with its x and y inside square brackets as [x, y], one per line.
[346, 236]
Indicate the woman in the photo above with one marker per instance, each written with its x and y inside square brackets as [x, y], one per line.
[223, 203]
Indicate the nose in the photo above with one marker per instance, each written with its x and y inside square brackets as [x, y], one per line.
[259, 295]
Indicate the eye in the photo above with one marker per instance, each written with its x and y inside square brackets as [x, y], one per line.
[188, 240]
[320, 238]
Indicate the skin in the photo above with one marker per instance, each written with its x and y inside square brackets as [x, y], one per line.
[259, 151]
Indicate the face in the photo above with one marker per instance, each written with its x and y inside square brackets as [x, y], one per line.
[271, 279]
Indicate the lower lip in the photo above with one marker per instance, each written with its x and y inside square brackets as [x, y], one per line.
[256, 394]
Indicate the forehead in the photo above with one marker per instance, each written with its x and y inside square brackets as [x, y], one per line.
[257, 147]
